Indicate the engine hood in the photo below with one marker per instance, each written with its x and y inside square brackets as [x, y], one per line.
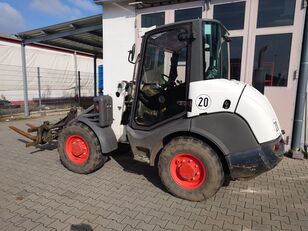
[209, 96]
[259, 114]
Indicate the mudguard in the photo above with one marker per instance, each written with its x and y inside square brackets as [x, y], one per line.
[105, 135]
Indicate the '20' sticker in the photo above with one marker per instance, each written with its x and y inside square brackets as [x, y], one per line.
[203, 102]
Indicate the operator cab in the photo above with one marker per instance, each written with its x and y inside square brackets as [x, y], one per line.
[173, 56]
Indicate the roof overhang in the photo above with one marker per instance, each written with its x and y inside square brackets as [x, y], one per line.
[82, 35]
[140, 4]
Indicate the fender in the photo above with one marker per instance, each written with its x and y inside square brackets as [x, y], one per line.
[228, 131]
[105, 135]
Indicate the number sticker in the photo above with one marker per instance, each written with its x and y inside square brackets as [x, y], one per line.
[203, 102]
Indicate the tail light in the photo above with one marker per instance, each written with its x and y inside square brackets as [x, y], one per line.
[276, 147]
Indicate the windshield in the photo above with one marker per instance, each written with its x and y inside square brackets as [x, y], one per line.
[215, 53]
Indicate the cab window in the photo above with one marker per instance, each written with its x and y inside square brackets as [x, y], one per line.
[215, 51]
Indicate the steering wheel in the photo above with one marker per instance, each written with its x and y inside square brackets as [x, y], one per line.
[163, 78]
[167, 82]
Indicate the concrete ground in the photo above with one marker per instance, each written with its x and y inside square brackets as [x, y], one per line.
[38, 193]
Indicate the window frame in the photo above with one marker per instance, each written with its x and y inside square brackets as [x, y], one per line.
[183, 9]
[289, 61]
[146, 14]
[242, 46]
[230, 3]
[271, 26]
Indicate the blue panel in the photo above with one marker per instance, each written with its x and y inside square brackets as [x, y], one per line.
[100, 79]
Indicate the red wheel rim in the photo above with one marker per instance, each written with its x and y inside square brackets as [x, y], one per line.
[187, 171]
[77, 149]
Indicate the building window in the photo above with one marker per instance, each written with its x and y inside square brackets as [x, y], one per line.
[236, 57]
[271, 61]
[231, 15]
[187, 14]
[155, 19]
[275, 13]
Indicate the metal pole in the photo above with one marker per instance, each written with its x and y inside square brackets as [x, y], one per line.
[95, 76]
[24, 78]
[300, 95]
[76, 74]
[79, 88]
[39, 88]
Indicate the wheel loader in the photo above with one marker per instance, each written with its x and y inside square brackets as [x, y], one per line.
[181, 112]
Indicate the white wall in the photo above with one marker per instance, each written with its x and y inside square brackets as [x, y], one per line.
[119, 36]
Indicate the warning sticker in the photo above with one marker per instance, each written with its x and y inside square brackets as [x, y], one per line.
[203, 102]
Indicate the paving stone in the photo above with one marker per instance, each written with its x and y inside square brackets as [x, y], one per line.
[115, 225]
[145, 226]
[116, 217]
[42, 228]
[58, 225]
[61, 216]
[45, 220]
[5, 214]
[211, 221]
[186, 222]
[205, 227]
[16, 220]
[101, 221]
[131, 222]
[13, 227]
[28, 224]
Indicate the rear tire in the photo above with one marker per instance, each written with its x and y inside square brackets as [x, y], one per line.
[79, 149]
[190, 169]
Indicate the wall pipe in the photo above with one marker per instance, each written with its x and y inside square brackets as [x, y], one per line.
[301, 92]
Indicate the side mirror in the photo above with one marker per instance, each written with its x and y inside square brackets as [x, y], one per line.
[227, 38]
[131, 54]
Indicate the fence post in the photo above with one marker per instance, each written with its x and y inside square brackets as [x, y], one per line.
[24, 78]
[39, 88]
[79, 88]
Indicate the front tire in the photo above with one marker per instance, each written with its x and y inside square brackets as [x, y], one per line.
[79, 149]
[190, 169]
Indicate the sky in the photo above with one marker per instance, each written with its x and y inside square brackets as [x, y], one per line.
[22, 15]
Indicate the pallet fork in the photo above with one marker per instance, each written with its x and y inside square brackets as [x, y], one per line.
[46, 132]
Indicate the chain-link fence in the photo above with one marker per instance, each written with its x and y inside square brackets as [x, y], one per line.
[47, 89]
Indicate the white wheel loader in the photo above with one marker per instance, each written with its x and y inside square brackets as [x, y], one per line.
[181, 112]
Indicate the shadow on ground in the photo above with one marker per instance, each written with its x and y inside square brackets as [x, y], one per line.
[81, 227]
[42, 147]
[124, 157]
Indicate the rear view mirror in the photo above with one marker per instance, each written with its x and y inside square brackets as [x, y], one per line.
[131, 54]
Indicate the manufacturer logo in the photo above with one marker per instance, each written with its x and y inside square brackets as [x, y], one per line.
[203, 102]
[276, 125]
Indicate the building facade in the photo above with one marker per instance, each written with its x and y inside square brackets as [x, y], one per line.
[266, 35]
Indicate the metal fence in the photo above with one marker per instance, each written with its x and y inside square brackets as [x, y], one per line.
[47, 89]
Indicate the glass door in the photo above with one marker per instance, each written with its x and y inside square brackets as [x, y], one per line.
[265, 48]
[274, 47]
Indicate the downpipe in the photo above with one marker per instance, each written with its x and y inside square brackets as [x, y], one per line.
[300, 96]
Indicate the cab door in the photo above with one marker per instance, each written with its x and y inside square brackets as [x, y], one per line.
[160, 106]
[162, 84]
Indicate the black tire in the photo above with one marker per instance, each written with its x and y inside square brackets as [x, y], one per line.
[214, 174]
[95, 159]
